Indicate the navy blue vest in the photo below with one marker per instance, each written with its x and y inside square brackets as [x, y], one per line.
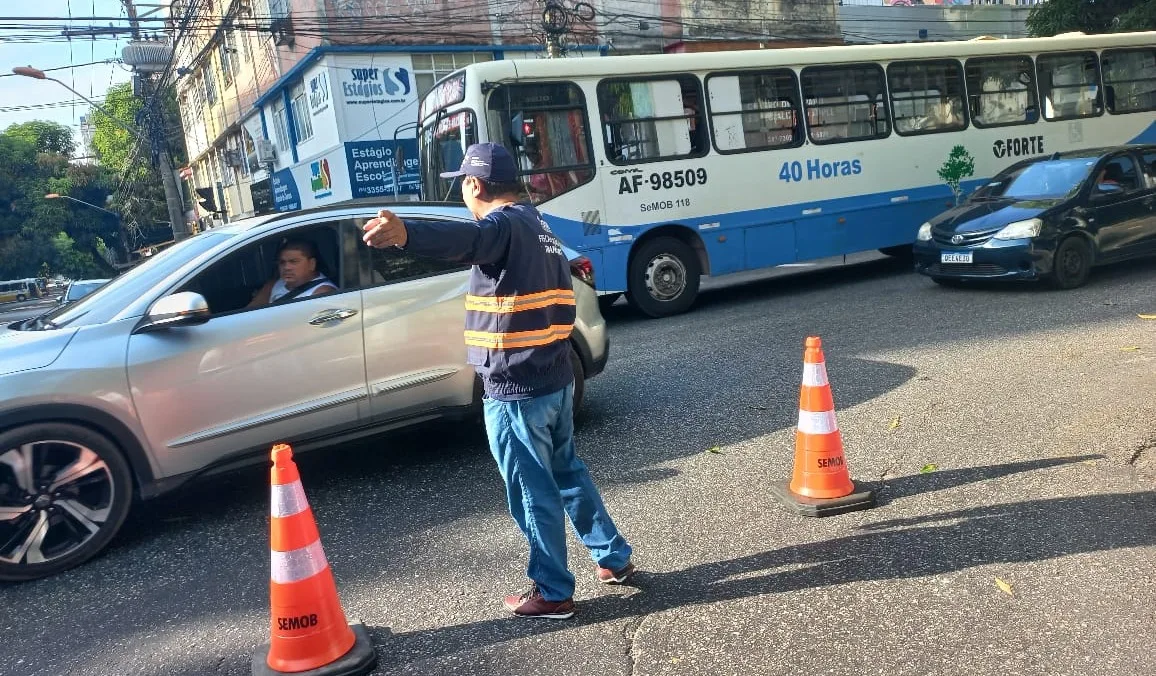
[521, 307]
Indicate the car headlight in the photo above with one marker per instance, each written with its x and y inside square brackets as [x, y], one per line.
[924, 233]
[1020, 229]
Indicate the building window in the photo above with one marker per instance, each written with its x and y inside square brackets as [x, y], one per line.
[247, 149]
[1069, 86]
[280, 128]
[210, 84]
[302, 119]
[649, 120]
[548, 133]
[845, 103]
[927, 96]
[1130, 80]
[225, 58]
[243, 39]
[1001, 91]
[754, 111]
[224, 169]
[429, 68]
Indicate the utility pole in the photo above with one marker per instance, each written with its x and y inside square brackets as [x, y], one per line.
[555, 22]
[157, 133]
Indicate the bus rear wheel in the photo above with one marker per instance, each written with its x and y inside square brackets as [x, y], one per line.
[663, 277]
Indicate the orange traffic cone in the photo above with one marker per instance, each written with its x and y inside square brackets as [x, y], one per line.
[821, 485]
[309, 631]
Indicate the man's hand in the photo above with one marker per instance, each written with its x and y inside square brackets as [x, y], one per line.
[385, 231]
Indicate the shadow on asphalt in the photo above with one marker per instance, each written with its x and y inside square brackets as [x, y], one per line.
[676, 424]
[904, 548]
[941, 480]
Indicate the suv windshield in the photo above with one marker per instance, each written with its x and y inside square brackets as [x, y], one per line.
[1050, 179]
[444, 140]
[142, 277]
[79, 290]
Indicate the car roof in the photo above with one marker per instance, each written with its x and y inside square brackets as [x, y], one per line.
[1097, 152]
[447, 209]
[348, 207]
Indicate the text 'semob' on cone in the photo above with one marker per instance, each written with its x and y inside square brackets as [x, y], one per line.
[821, 484]
[309, 633]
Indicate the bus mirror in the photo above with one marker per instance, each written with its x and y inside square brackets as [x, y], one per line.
[522, 131]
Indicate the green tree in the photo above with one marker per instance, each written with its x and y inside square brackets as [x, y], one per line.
[45, 136]
[1091, 16]
[71, 262]
[141, 200]
[30, 224]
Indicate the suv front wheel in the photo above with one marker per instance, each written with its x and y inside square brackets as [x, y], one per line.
[65, 490]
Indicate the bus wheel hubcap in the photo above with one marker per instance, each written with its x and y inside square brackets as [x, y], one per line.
[665, 277]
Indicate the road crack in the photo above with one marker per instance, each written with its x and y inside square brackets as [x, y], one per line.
[630, 633]
[1137, 452]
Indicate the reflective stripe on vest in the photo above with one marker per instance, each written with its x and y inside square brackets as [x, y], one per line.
[510, 304]
[505, 341]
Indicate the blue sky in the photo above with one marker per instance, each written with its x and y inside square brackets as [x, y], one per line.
[92, 81]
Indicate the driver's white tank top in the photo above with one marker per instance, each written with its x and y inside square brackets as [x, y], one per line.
[279, 288]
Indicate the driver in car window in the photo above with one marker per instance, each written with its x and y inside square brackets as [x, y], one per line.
[299, 277]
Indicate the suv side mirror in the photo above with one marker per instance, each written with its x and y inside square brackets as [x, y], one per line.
[180, 309]
[1105, 189]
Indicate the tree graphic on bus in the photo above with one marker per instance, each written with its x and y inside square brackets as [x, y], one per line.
[959, 165]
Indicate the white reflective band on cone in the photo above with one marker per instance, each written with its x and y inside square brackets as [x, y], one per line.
[814, 375]
[817, 423]
[298, 564]
[288, 499]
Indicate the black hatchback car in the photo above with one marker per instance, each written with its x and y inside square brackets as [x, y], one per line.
[1051, 218]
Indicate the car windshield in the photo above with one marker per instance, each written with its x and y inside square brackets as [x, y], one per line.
[143, 277]
[79, 290]
[1051, 179]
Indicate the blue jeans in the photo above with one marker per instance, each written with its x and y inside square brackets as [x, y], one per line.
[532, 441]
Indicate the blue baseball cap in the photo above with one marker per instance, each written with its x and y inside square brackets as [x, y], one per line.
[487, 161]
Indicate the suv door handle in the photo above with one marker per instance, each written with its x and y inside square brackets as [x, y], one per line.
[326, 316]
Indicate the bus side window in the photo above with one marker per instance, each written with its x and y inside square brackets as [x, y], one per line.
[755, 110]
[845, 103]
[927, 96]
[1130, 80]
[1070, 85]
[1002, 91]
[548, 134]
[653, 119]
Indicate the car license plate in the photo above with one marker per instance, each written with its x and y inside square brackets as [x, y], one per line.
[947, 257]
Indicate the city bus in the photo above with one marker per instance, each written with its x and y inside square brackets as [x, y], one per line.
[664, 168]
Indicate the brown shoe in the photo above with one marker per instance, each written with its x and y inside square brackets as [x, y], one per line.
[531, 604]
[607, 576]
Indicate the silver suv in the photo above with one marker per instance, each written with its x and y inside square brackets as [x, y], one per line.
[163, 375]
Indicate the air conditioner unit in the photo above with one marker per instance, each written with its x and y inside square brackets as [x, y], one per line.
[266, 152]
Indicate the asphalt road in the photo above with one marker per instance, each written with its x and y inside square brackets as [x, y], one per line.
[14, 312]
[1009, 432]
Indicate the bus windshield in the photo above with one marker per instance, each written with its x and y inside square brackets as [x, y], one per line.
[443, 144]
